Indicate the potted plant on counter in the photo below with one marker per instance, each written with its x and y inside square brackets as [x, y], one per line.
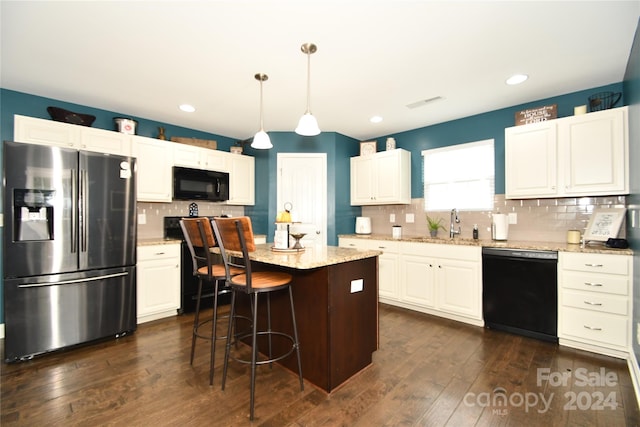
[434, 225]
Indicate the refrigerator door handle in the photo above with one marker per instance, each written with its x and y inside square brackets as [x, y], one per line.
[66, 282]
[74, 214]
[83, 210]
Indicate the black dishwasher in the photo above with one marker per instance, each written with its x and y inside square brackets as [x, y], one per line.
[519, 292]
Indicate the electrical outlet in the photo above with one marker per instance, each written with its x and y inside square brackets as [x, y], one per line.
[357, 285]
[409, 218]
[392, 217]
[513, 218]
[142, 219]
[638, 332]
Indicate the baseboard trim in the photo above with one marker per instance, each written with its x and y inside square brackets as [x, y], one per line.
[634, 372]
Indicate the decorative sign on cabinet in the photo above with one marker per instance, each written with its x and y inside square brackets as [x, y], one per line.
[381, 178]
[583, 155]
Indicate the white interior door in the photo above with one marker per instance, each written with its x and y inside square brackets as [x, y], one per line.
[302, 181]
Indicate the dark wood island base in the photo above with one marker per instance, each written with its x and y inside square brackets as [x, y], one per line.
[337, 322]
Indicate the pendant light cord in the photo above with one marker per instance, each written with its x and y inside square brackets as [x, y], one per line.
[261, 107]
[308, 83]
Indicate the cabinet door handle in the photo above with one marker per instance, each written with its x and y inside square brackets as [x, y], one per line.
[593, 265]
[592, 328]
[159, 253]
[592, 284]
[592, 303]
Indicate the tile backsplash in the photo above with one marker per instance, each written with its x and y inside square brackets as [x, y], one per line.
[155, 213]
[537, 219]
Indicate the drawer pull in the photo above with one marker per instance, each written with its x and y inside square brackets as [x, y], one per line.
[593, 265]
[592, 328]
[592, 284]
[593, 303]
[382, 247]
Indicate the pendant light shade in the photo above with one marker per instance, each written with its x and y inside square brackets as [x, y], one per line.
[261, 140]
[308, 125]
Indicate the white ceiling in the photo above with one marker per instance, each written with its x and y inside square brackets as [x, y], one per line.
[144, 58]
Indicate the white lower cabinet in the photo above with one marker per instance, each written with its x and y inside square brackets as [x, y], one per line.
[417, 276]
[439, 279]
[158, 281]
[594, 302]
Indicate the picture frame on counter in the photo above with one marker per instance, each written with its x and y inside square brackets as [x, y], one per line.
[604, 224]
[368, 148]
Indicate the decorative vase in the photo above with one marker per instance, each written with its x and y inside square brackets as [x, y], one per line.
[161, 134]
[433, 233]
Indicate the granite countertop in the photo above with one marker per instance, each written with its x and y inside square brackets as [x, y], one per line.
[511, 244]
[314, 256]
[158, 241]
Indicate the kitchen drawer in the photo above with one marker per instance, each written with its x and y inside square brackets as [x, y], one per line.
[595, 263]
[594, 301]
[608, 329]
[379, 245]
[152, 252]
[604, 283]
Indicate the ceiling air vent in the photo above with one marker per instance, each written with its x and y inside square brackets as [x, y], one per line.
[423, 102]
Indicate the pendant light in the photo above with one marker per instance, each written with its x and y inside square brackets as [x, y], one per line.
[308, 125]
[261, 140]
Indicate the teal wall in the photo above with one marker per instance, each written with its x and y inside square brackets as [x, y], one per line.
[339, 149]
[632, 95]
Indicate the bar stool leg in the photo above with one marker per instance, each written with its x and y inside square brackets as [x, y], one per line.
[232, 312]
[269, 328]
[295, 336]
[254, 354]
[214, 325]
[196, 320]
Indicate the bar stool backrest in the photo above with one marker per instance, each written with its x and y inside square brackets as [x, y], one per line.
[236, 235]
[200, 239]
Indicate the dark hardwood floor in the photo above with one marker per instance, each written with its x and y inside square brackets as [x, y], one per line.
[427, 372]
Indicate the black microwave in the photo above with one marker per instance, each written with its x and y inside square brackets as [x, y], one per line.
[198, 184]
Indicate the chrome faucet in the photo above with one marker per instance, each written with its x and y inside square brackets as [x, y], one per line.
[456, 220]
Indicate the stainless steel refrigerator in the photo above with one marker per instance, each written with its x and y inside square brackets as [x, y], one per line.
[69, 248]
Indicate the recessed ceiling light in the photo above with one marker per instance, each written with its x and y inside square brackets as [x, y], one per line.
[516, 79]
[375, 119]
[187, 108]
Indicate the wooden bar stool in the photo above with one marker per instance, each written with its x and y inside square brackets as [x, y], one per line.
[200, 239]
[236, 235]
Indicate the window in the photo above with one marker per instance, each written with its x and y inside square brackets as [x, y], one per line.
[459, 176]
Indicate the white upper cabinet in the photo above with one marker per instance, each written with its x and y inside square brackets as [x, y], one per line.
[192, 156]
[58, 134]
[382, 178]
[105, 141]
[596, 153]
[45, 132]
[154, 160]
[242, 181]
[584, 155]
[531, 160]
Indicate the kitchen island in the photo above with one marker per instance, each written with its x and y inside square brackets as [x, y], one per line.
[335, 292]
